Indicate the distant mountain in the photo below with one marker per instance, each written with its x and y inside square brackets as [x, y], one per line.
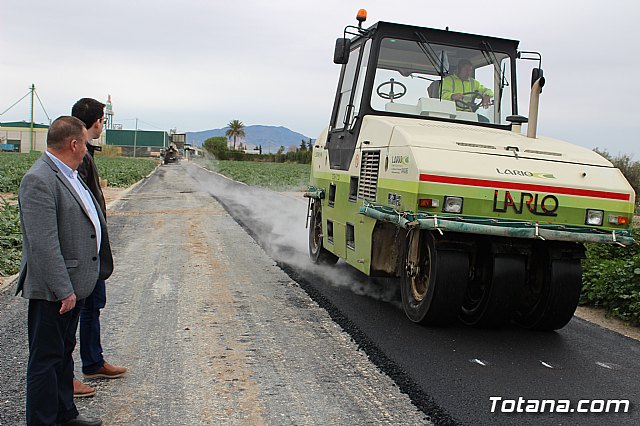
[269, 137]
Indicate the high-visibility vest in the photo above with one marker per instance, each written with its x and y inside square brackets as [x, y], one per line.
[452, 84]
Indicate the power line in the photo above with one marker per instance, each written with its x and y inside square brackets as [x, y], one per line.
[45, 111]
[33, 89]
[16, 103]
[141, 121]
[152, 125]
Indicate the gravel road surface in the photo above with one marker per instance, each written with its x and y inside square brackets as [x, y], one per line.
[211, 329]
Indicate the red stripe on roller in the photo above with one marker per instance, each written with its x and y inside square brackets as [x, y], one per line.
[523, 187]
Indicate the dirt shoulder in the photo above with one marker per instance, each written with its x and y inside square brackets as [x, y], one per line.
[112, 194]
[598, 316]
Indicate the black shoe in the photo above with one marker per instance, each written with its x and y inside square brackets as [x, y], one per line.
[82, 421]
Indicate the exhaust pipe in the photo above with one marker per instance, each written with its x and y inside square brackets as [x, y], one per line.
[537, 82]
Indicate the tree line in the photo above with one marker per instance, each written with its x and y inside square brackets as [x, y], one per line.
[218, 146]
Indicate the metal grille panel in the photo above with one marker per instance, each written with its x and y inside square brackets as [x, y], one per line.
[369, 168]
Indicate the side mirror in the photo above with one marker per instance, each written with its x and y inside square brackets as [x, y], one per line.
[341, 53]
[537, 74]
[517, 119]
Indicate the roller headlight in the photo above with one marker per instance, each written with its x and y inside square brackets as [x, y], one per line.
[594, 217]
[452, 205]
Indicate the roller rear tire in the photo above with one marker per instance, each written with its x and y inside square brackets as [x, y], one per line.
[490, 298]
[552, 293]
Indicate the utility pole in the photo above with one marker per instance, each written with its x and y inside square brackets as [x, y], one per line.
[33, 91]
[135, 137]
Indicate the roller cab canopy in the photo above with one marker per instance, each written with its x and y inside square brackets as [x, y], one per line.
[406, 71]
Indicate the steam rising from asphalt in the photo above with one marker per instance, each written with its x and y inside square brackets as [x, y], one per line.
[278, 221]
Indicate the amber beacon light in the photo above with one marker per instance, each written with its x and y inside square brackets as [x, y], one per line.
[361, 16]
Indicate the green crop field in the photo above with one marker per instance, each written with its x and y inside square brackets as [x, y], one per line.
[124, 171]
[119, 171]
[10, 238]
[275, 176]
[12, 167]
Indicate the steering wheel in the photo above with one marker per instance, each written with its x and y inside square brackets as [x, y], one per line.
[474, 104]
[392, 95]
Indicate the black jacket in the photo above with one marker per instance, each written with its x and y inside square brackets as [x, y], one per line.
[89, 174]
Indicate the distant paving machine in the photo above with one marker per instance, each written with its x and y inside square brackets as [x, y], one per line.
[171, 155]
[435, 184]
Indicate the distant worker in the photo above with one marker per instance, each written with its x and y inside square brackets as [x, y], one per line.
[91, 113]
[464, 89]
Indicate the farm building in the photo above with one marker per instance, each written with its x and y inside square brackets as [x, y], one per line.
[16, 136]
[146, 143]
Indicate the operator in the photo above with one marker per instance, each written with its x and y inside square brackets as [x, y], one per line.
[464, 89]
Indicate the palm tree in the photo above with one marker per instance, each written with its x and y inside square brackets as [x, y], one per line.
[236, 129]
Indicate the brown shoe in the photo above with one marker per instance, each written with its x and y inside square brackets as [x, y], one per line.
[80, 390]
[107, 371]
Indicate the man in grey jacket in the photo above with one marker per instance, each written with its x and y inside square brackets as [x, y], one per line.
[65, 250]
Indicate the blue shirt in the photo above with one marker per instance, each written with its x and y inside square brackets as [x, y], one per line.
[83, 193]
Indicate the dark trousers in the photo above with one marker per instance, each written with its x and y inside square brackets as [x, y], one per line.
[90, 347]
[52, 338]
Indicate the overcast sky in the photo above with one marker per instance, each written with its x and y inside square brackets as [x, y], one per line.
[197, 64]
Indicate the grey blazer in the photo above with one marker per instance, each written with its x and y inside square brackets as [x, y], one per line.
[59, 253]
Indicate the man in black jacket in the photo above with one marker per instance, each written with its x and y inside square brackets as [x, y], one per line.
[91, 113]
